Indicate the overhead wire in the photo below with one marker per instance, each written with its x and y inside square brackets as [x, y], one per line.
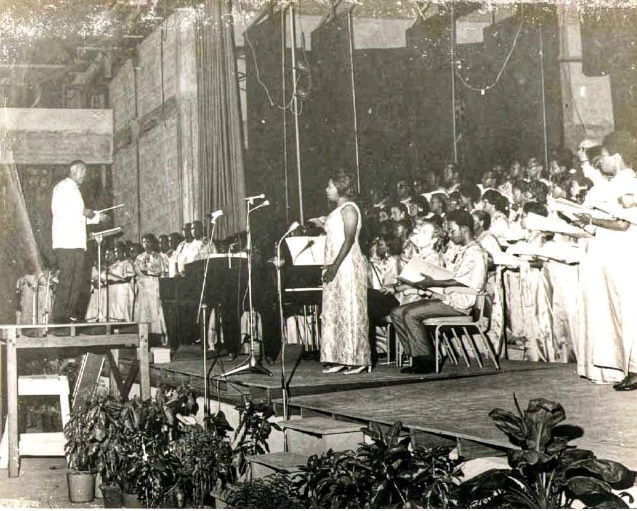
[490, 86]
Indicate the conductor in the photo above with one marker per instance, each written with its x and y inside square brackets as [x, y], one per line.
[69, 241]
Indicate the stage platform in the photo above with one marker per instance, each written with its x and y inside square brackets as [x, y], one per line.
[458, 408]
[305, 376]
[450, 407]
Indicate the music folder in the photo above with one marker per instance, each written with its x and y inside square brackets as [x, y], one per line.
[306, 250]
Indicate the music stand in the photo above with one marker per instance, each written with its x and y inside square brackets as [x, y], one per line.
[252, 364]
[99, 237]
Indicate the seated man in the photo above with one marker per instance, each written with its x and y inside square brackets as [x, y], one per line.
[469, 266]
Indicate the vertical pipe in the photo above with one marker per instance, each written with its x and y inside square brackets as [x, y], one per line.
[295, 103]
[350, 26]
[284, 114]
[452, 40]
[137, 159]
[544, 131]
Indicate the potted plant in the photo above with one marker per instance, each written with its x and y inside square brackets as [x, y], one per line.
[205, 461]
[253, 432]
[275, 491]
[81, 448]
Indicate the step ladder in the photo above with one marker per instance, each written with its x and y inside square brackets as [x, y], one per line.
[40, 444]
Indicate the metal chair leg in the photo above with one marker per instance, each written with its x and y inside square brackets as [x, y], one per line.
[474, 346]
[490, 349]
[462, 348]
[450, 349]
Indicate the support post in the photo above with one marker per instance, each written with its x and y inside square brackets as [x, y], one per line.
[12, 402]
[144, 361]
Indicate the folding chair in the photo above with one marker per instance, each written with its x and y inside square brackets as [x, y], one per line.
[462, 323]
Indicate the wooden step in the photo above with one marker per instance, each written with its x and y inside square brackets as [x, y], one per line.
[315, 435]
[282, 462]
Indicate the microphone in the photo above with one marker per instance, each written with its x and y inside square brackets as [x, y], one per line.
[255, 197]
[294, 226]
[215, 214]
[262, 205]
[309, 244]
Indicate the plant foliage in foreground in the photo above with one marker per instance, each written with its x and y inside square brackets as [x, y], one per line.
[546, 472]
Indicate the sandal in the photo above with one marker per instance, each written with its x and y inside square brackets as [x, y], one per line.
[334, 369]
[358, 370]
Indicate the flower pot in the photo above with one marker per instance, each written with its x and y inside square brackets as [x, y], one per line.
[132, 500]
[81, 486]
[98, 486]
[112, 495]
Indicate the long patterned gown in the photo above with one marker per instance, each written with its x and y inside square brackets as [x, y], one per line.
[344, 337]
[147, 303]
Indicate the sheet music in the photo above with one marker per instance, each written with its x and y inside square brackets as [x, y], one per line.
[562, 252]
[536, 222]
[307, 250]
[617, 211]
[106, 233]
[416, 267]
[571, 209]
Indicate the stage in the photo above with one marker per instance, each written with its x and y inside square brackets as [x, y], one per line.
[450, 407]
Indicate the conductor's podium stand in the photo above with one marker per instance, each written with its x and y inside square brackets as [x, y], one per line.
[40, 444]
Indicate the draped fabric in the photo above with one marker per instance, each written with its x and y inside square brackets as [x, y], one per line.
[19, 254]
[221, 162]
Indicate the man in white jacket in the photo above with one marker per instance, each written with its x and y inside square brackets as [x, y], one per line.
[69, 240]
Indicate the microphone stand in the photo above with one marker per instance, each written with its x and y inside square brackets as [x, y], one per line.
[204, 335]
[252, 364]
[279, 285]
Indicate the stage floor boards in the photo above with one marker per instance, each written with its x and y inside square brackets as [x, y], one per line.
[305, 376]
[459, 407]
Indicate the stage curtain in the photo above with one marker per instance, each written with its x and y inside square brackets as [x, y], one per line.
[221, 163]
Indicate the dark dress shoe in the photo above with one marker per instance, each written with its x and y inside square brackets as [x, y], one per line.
[629, 383]
[420, 365]
[61, 332]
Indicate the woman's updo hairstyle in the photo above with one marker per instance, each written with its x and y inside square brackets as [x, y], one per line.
[344, 184]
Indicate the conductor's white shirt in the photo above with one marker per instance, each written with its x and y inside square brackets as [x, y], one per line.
[69, 222]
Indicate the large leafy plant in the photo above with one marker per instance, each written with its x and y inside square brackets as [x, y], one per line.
[334, 480]
[205, 460]
[275, 491]
[384, 473]
[546, 471]
[253, 432]
[403, 476]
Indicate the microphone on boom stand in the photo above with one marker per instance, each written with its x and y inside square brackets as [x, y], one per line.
[284, 383]
[252, 364]
[202, 310]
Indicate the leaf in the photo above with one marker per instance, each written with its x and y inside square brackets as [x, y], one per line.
[573, 455]
[510, 424]
[595, 493]
[541, 416]
[483, 485]
[606, 470]
[522, 458]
